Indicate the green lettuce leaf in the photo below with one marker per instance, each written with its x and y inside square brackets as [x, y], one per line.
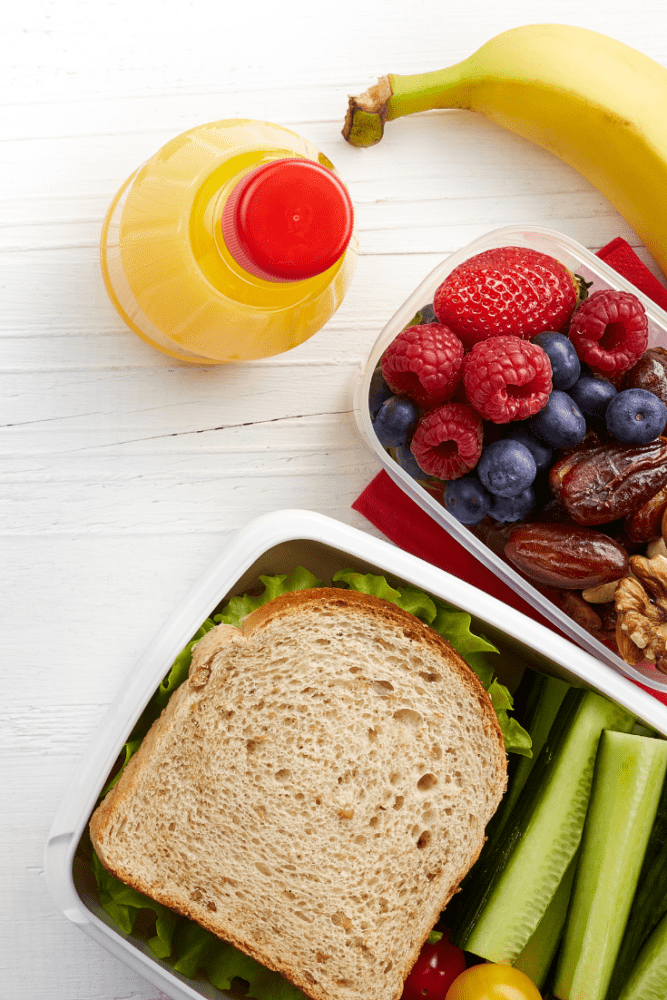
[454, 625]
[517, 740]
[123, 904]
[178, 672]
[228, 964]
[196, 948]
[415, 601]
[128, 751]
[237, 608]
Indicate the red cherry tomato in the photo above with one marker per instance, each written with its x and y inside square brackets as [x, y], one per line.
[434, 971]
[493, 982]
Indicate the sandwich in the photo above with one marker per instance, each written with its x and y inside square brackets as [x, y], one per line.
[314, 792]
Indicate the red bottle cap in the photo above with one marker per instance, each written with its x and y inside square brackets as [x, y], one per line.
[288, 220]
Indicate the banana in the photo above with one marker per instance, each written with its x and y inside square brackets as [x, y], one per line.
[596, 103]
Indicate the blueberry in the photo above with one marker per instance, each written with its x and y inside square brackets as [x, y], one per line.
[427, 314]
[565, 364]
[506, 468]
[518, 508]
[592, 394]
[540, 451]
[560, 423]
[378, 391]
[466, 499]
[395, 421]
[408, 462]
[636, 416]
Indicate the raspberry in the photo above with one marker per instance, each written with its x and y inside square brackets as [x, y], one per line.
[507, 378]
[609, 331]
[425, 363]
[447, 441]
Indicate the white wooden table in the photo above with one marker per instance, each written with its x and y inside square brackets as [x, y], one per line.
[123, 471]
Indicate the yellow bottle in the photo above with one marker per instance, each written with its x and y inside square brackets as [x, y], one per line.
[235, 241]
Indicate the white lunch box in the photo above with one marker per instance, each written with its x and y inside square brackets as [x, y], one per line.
[276, 543]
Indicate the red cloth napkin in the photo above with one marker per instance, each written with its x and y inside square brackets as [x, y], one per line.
[620, 255]
[386, 506]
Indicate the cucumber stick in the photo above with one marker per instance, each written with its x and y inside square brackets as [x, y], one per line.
[538, 711]
[536, 958]
[549, 694]
[536, 703]
[629, 775]
[649, 904]
[648, 979]
[503, 910]
[639, 729]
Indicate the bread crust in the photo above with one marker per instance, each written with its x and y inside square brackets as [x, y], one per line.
[209, 655]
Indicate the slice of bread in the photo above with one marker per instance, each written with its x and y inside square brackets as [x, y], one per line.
[315, 792]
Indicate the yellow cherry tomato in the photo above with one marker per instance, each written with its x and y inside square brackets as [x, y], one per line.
[493, 982]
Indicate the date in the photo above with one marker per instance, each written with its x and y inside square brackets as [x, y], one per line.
[566, 556]
[599, 620]
[574, 605]
[650, 372]
[609, 481]
[645, 523]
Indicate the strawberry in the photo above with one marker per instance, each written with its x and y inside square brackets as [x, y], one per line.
[511, 291]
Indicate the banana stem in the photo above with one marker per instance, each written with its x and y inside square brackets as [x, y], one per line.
[367, 113]
[394, 96]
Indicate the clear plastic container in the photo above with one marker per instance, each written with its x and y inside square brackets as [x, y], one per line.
[579, 260]
[276, 543]
[234, 241]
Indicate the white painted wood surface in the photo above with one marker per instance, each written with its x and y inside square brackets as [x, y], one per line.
[123, 472]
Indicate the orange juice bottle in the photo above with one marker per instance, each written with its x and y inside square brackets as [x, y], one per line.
[235, 241]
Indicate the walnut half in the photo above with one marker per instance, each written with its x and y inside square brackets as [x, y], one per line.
[641, 612]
